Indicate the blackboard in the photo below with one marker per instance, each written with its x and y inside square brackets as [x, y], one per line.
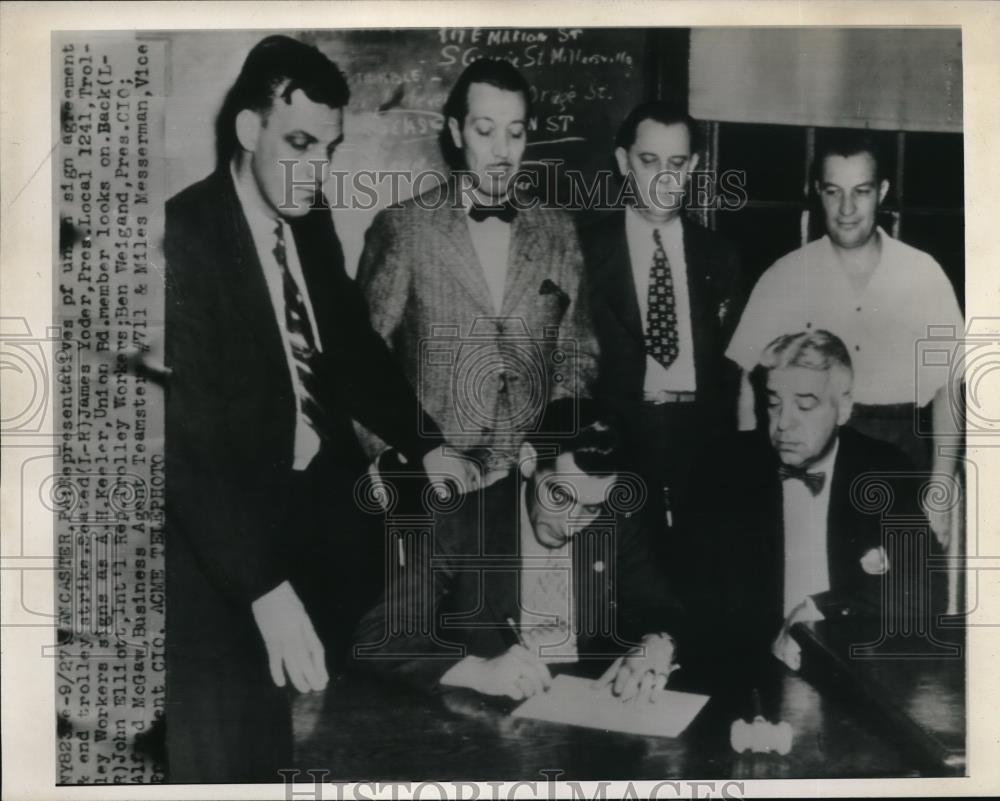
[584, 81]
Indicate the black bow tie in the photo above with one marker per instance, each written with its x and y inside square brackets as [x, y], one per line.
[814, 481]
[505, 212]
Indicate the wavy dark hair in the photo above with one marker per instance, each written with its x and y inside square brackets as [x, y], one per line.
[585, 428]
[277, 63]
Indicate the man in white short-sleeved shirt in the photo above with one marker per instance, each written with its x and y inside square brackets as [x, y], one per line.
[876, 293]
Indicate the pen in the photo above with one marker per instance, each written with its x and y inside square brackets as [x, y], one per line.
[517, 633]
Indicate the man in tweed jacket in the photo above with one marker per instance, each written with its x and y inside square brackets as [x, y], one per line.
[481, 298]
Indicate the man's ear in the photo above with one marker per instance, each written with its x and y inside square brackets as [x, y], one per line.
[883, 189]
[621, 156]
[248, 125]
[456, 132]
[844, 408]
[528, 459]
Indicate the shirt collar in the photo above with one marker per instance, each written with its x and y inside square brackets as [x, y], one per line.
[888, 243]
[259, 215]
[640, 226]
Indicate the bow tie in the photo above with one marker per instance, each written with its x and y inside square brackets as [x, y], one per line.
[505, 212]
[814, 481]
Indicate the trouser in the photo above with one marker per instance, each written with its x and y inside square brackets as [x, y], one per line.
[226, 720]
[663, 440]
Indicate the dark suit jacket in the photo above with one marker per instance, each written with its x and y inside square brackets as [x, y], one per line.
[239, 518]
[733, 534]
[714, 274]
[456, 592]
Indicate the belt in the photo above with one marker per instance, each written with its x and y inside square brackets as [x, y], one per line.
[662, 396]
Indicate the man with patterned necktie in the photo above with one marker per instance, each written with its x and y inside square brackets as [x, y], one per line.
[775, 533]
[664, 297]
[271, 354]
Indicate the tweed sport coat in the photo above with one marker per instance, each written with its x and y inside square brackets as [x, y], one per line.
[484, 378]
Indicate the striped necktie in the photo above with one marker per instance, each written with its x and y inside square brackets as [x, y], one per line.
[300, 335]
[661, 310]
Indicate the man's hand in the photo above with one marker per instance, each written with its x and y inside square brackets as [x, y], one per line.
[291, 642]
[643, 671]
[517, 673]
[784, 648]
[441, 466]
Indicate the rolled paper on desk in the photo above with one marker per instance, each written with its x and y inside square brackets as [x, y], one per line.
[761, 736]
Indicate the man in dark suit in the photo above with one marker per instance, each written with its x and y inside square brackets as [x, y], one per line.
[664, 298]
[271, 354]
[779, 530]
[546, 566]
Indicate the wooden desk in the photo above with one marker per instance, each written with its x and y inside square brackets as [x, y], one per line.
[912, 686]
[366, 731]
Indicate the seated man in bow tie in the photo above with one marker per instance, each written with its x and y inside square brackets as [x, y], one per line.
[476, 286]
[778, 533]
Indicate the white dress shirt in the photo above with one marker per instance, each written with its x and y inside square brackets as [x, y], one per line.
[807, 570]
[680, 376]
[263, 223]
[491, 241]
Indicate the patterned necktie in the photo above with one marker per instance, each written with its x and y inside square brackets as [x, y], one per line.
[814, 481]
[661, 314]
[300, 334]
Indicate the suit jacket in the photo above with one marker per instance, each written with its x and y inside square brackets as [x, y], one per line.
[461, 584]
[238, 515]
[714, 275]
[735, 540]
[484, 378]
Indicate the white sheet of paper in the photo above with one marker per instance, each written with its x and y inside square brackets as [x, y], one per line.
[574, 701]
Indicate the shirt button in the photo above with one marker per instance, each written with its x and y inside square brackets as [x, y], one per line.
[857, 347]
[858, 309]
[809, 325]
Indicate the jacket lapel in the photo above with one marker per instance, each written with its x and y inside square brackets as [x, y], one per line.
[248, 296]
[774, 543]
[699, 297]
[322, 261]
[457, 254]
[617, 283]
[841, 518]
[525, 241]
